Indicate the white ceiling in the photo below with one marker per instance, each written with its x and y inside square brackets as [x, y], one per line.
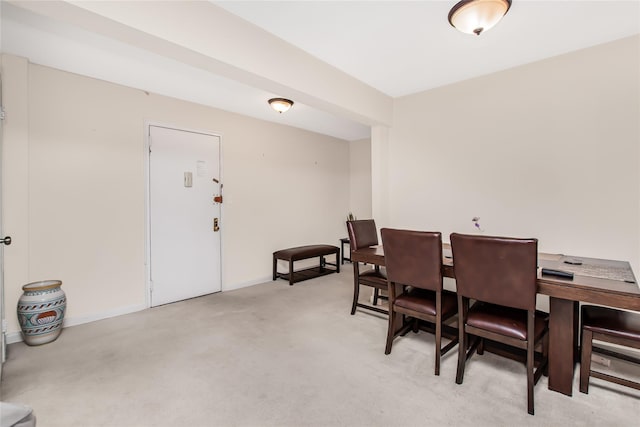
[404, 47]
[397, 47]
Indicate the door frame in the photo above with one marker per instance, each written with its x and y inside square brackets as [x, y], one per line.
[147, 204]
[3, 323]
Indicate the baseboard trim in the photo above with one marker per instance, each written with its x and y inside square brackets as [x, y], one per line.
[14, 337]
[247, 284]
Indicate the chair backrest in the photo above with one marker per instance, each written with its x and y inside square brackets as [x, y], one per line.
[498, 270]
[362, 233]
[413, 257]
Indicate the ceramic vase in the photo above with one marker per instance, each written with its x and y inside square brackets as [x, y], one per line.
[41, 311]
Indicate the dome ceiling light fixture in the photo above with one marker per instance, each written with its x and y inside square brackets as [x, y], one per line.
[280, 104]
[477, 16]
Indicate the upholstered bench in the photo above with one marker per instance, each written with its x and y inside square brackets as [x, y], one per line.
[306, 252]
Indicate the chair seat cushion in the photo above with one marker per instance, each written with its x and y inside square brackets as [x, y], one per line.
[510, 322]
[373, 274]
[424, 301]
[376, 279]
[612, 322]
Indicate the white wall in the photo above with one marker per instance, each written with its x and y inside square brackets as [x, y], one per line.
[77, 151]
[546, 150]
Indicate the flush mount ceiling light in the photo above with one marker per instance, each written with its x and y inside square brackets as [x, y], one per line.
[280, 104]
[477, 16]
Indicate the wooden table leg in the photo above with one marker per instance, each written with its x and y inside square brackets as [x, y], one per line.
[563, 343]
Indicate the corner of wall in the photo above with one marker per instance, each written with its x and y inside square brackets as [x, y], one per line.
[15, 170]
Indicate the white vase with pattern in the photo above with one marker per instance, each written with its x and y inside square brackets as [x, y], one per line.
[41, 310]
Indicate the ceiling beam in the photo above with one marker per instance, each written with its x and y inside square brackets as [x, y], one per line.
[206, 36]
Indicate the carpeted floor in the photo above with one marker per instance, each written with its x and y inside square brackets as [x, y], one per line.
[274, 355]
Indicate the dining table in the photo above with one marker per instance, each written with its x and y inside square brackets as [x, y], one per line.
[598, 281]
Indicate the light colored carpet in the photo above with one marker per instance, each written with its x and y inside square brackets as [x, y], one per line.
[275, 355]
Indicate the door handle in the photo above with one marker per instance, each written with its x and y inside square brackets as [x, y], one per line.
[6, 240]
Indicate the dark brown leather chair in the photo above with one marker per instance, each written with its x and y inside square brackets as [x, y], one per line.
[362, 234]
[500, 274]
[609, 325]
[413, 260]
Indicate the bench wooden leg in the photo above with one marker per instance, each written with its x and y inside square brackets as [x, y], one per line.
[275, 268]
[290, 272]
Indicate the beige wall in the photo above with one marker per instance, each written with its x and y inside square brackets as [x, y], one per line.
[548, 150]
[78, 153]
[360, 178]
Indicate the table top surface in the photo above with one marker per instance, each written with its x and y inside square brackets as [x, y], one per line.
[599, 281]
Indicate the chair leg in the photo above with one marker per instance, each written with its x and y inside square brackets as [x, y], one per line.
[438, 331]
[530, 360]
[462, 355]
[438, 343]
[356, 287]
[585, 361]
[376, 294]
[391, 331]
[530, 381]
[462, 340]
[404, 331]
[481, 347]
[545, 354]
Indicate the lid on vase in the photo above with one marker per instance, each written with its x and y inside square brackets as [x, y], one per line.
[42, 285]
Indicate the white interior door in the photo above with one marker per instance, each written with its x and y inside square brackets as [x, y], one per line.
[184, 175]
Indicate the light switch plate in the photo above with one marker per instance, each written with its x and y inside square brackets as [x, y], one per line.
[188, 179]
